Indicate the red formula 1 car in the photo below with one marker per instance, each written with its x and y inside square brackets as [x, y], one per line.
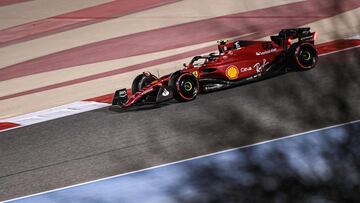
[236, 63]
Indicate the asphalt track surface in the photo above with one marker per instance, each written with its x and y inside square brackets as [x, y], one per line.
[107, 142]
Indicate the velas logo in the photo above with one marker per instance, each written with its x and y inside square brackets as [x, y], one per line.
[232, 72]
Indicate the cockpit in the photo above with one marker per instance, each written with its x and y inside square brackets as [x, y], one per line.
[224, 46]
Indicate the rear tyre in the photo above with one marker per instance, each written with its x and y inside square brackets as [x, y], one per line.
[185, 86]
[303, 56]
[141, 81]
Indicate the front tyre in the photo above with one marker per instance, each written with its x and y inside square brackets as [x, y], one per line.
[303, 56]
[185, 86]
[141, 81]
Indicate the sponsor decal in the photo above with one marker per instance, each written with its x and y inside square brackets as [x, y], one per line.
[196, 74]
[260, 67]
[246, 69]
[259, 53]
[232, 72]
[165, 93]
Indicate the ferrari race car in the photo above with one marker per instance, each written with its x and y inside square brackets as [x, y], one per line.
[235, 63]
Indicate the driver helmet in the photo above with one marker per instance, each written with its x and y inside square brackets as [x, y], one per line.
[222, 46]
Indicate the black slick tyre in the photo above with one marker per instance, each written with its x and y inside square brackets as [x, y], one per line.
[185, 86]
[303, 56]
[141, 81]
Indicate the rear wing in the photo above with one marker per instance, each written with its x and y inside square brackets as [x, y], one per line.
[285, 36]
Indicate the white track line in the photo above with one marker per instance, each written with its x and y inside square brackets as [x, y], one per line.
[185, 160]
[54, 113]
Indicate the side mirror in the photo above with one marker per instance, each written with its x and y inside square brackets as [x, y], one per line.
[184, 64]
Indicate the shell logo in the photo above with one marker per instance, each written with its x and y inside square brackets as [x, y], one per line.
[232, 72]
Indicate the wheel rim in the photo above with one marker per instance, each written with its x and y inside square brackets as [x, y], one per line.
[306, 55]
[188, 86]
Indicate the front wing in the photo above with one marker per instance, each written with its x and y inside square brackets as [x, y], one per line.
[148, 95]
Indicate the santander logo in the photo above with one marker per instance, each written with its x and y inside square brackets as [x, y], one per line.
[259, 53]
